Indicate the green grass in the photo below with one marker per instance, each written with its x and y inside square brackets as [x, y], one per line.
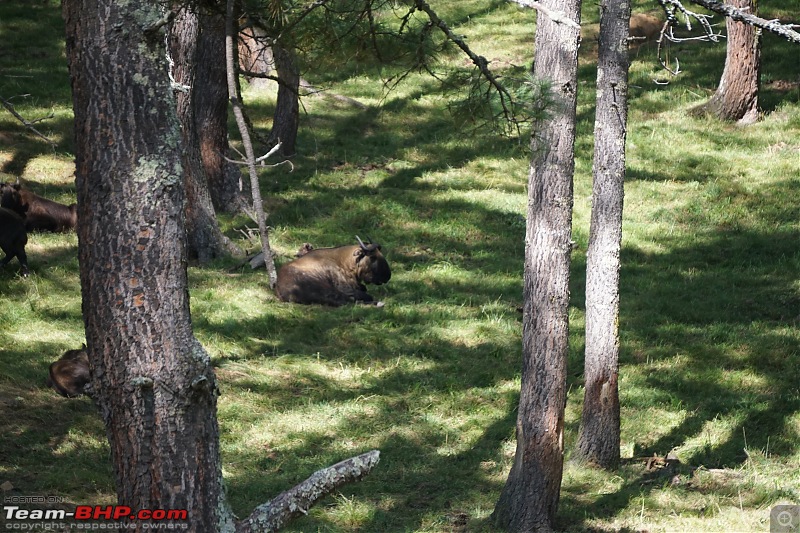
[710, 303]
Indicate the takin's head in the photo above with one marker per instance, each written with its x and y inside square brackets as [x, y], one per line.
[10, 198]
[371, 266]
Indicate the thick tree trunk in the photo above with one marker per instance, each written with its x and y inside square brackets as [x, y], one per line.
[255, 55]
[736, 97]
[598, 441]
[228, 190]
[204, 238]
[153, 381]
[529, 500]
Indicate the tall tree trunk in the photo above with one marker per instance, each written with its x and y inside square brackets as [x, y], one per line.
[153, 381]
[736, 97]
[529, 500]
[204, 238]
[286, 119]
[228, 190]
[598, 441]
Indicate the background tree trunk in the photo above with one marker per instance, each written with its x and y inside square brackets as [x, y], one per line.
[736, 97]
[154, 383]
[598, 441]
[228, 191]
[204, 238]
[529, 500]
[286, 119]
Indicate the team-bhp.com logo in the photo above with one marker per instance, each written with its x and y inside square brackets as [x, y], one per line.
[92, 517]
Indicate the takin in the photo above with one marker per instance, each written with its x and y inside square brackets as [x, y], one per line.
[333, 276]
[13, 239]
[40, 213]
[69, 376]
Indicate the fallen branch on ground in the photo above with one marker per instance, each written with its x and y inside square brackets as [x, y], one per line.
[276, 513]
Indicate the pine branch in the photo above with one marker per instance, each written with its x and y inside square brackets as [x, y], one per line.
[506, 99]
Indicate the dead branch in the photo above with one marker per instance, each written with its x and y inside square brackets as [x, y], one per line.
[28, 123]
[673, 7]
[276, 513]
[773, 26]
[559, 17]
[259, 160]
[238, 112]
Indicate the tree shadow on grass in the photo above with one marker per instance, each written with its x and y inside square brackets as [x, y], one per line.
[716, 321]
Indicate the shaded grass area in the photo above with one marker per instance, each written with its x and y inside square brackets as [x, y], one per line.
[709, 317]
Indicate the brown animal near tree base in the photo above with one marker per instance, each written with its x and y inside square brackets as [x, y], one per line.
[13, 239]
[69, 376]
[334, 276]
[40, 214]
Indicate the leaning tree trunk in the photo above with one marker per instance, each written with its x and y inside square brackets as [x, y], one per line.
[598, 441]
[529, 500]
[204, 238]
[736, 97]
[153, 382]
[228, 191]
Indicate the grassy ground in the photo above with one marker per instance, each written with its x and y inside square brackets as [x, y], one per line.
[709, 314]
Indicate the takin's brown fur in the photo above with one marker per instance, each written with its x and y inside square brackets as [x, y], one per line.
[333, 276]
[40, 214]
[13, 239]
[645, 27]
[69, 376]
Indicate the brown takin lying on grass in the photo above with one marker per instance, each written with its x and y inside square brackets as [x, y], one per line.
[333, 276]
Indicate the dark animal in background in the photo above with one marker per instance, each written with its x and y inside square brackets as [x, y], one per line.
[69, 376]
[333, 276]
[13, 239]
[40, 213]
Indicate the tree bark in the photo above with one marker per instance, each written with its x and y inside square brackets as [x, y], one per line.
[227, 189]
[286, 120]
[599, 438]
[153, 381]
[736, 98]
[529, 500]
[205, 240]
